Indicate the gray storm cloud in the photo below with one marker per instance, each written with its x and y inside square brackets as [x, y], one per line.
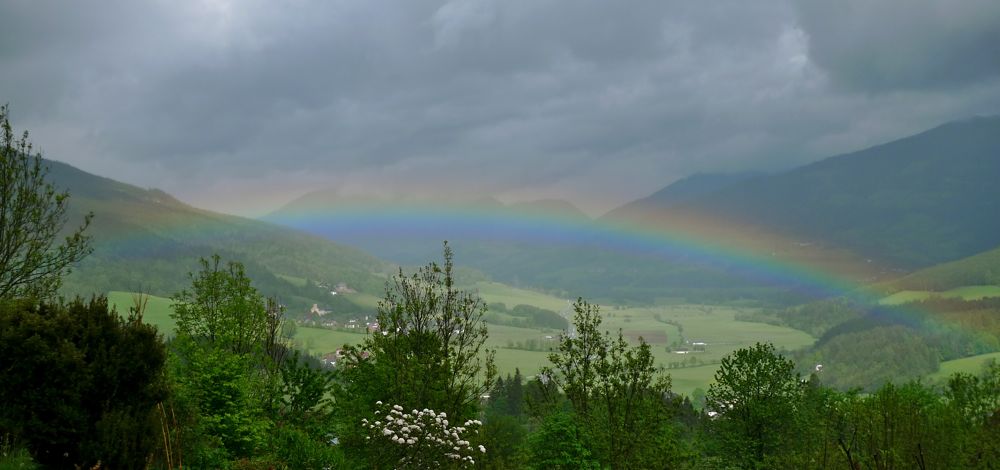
[239, 106]
[891, 45]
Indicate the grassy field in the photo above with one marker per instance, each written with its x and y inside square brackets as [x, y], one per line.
[713, 325]
[157, 310]
[965, 292]
[511, 296]
[363, 300]
[969, 365]
[689, 378]
[295, 281]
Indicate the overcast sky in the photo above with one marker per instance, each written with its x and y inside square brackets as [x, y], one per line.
[242, 105]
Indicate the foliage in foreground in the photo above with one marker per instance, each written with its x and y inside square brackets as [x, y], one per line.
[80, 384]
[32, 216]
[618, 396]
[420, 438]
[429, 353]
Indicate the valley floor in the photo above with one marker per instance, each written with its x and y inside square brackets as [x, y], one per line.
[671, 330]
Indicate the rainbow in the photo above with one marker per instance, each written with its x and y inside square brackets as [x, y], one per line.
[757, 254]
[752, 252]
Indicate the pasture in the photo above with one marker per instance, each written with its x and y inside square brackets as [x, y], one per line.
[157, 310]
[964, 293]
[675, 326]
[712, 325]
[293, 280]
[969, 365]
[715, 326]
[511, 296]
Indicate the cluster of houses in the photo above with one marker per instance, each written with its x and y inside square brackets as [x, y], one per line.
[369, 326]
[318, 317]
[339, 288]
[331, 359]
[697, 346]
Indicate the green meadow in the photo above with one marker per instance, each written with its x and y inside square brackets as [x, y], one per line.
[685, 381]
[969, 365]
[294, 280]
[712, 325]
[493, 292]
[157, 310]
[658, 325]
[964, 293]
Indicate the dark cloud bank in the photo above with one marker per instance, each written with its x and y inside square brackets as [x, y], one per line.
[239, 106]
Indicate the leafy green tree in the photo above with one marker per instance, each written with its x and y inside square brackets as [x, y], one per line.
[222, 406]
[977, 400]
[908, 426]
[430, 351]
[977, 397]
[557, 444]
[304, 394]
[503, 435]
[32, 218]
[227, 365]
[755, 397]
[615, 389]
[222, 308]
[79, 384]
[816, 443]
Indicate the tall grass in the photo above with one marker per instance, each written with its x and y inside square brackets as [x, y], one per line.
[13, 456]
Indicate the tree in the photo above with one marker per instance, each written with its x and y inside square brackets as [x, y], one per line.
[977, 400]
[421, 439]
[557, 444]
[616, 390]
[755, 394]
[32, 217]
[304, 398]
[977, 397]
[227, 364]
[224, 309]
[79, 384]
[429, 353]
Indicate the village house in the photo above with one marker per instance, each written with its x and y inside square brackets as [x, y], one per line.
[315, 310]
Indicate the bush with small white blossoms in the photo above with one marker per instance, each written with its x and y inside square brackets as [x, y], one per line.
[421, 438]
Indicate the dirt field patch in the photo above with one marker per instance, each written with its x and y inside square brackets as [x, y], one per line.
[651, 336]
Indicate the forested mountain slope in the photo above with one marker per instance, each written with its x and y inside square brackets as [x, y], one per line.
[913, 202]
[148, 240]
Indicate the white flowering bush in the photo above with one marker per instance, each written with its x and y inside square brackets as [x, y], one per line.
[421, 438]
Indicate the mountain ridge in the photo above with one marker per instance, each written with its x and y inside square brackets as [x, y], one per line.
[150, 235]
[911, 202]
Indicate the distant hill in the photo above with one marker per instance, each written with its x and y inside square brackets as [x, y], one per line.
[863, 216]
[148, 240]
[978, 270]
[680, 191]
[913, 202]
[549, 245]
[410, 230]
[549, 207]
